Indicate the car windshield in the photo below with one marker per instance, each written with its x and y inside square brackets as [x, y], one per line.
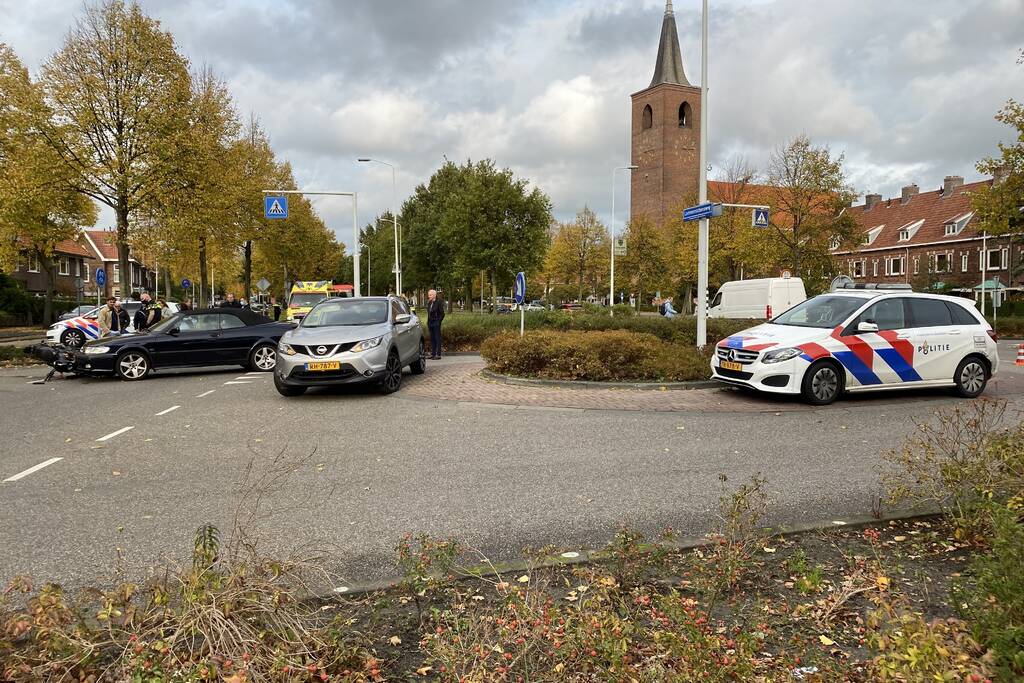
[309, 299]
[167, 323]
[821, 311]
[342, 312]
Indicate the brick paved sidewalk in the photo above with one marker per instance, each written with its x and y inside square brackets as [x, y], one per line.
[459, 380]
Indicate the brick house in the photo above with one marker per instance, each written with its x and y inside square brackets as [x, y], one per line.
[73, 260]
[103, 248]
[929, 240]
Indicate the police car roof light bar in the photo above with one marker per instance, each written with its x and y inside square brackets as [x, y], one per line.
[899, 286]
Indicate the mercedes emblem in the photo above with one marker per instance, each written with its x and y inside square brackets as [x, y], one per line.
[732, 354]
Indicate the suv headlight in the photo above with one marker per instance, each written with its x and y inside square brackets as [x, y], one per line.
[779, 355]
[367, 344]
[96, 349]
[286, 349]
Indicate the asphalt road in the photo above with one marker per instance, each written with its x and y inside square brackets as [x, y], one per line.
[348, 471]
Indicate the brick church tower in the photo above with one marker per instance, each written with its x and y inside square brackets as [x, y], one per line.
[665, 125]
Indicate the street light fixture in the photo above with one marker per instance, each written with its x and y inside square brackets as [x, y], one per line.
[394, 218]
[611, 285]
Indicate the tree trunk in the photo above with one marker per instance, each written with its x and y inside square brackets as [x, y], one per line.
[167, 283]
[123, 251]
[247, 269]
[49, 267]
[202, 274]
[494, 295]
[688, 304]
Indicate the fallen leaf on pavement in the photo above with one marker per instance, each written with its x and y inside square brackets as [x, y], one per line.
[524, 579]
[395, 640]
[424, 670]
[825, 640]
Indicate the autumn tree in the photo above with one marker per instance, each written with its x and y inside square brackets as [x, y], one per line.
[645, 266]
[580, 252]
[808, 192]
[38, 206]
[119, 93]
[1000, 208]
[254, 172]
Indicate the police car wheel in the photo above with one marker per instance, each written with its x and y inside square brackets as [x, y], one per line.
[132, 366]
[419, 366]
[971, 377]
[822, 384]
[72, 338]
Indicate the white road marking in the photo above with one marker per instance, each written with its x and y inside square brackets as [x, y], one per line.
[206, 393]
[111, 435]
[164, 412]
[30, 470]
[237, 382]
[246, 377]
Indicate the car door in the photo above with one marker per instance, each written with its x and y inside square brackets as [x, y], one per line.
[891, 349]
[404, 336]
[236, 339]
[198, 334]
[938, 342]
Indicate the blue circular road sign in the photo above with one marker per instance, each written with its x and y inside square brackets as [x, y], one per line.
[101, 277]
[519, 294]
[186, 283]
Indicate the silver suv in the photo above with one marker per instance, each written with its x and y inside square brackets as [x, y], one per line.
[345, 341]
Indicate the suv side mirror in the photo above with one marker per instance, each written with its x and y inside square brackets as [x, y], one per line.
[865, 326]
[402, 318]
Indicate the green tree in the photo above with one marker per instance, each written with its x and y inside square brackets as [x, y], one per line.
[645, 266]
[580, 252]
[255, 172]
[120, 96]
[1000, 207]
[38, 207]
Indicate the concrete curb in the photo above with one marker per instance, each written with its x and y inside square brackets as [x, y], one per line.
[568, 384]
[601, 556]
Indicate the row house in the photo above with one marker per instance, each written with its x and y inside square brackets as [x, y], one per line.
[77, 261]
[929, 240]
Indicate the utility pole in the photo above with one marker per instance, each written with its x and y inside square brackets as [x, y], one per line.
[611, 283]
[702, 238]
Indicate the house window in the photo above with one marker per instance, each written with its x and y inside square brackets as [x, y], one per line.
[85, 272]
[917, 265]
[904, 235]
[964, 260]
[64, 266]
[22, 262]
[995, 259]
[858, 268]
[874, 269]
[33, 263]
[648, 117]
[117, 273]
[894, 265]
[78, 268]
[942, 263]
[685, 115]
[950, 229]
[833, 243]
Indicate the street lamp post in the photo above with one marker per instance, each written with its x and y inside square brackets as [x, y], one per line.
[611, 284]
[702, 234]
[394, 218]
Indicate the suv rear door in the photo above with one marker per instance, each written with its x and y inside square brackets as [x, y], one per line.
[939, 344]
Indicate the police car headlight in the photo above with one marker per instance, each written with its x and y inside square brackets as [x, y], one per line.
[367, 344]
[286, 349]
[90, 350]
[779, 355]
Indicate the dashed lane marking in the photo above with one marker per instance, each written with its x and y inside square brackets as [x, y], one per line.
[164, 412]
[35, 468]
[234, 382]
[206, 393]
[111, 435]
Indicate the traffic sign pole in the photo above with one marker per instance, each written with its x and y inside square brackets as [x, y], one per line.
[702, 233]
[519, 294]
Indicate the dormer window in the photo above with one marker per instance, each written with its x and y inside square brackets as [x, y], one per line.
[872, 235]
[908, 231]
[956, 225]
[833, 243]
[904, 235]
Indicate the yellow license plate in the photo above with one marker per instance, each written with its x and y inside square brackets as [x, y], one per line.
[325, 365]
[729, 365]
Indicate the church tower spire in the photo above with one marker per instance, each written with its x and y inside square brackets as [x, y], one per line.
[669, 67]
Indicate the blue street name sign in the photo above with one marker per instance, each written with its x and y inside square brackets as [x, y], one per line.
[186, 284]
[760, 218]
[519, 294]
[275, 207]
[702, 211]
[101, 277]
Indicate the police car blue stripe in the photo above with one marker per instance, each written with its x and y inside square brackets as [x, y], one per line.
[899, 364]
[856, 367]
[734, 342]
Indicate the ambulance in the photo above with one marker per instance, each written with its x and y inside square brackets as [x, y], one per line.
[863, 339]
[304, 296]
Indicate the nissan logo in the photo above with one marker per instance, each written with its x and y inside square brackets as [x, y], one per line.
[321, 350]
[732, 354]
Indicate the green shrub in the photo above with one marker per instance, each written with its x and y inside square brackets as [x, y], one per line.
[1011, 328]
[594, 355]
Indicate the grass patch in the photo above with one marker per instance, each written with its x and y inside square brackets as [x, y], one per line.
[15, 356]
[594, 356]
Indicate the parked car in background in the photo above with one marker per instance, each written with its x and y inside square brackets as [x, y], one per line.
[345, 341]
[76, 312]
[204, 337]
[74, 332]
[535, 306]
[572, 306]
[759, 298]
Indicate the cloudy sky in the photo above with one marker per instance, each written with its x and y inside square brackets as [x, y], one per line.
[906, 90]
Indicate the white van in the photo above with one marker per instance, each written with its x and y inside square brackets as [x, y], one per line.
[761, 298]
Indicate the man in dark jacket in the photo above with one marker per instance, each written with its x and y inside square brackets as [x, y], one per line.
[435, 314]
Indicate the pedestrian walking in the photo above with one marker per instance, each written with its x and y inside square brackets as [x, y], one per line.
[435, 314]
[276, 308]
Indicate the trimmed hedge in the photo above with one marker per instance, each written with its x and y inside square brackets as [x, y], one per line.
[595, 356]
[467, 332]
[1011, 328]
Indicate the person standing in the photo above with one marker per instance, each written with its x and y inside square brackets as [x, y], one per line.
[230, 302]
[276, 308]
[145, 312]
[108, 319]
[435, 314]
[669, 311]
[185, 305]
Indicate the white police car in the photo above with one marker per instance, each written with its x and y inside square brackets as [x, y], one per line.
[73, 332]
[862, 340]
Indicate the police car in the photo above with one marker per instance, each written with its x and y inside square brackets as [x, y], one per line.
[863, 339]
[74, 332]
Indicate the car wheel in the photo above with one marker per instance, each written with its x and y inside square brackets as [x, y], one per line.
[392, 379]
[263, 358]
[971, 377]
[420, 366]
[286, 389]
[823, 382]
[132, 366]
[72, 338]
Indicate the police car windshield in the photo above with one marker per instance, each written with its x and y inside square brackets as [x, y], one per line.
[821, 311]
[344, 312]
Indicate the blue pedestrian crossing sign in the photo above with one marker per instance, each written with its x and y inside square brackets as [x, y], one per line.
[519, 293]
[275, 207]
[760, 218]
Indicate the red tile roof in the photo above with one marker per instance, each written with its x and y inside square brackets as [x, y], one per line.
[106, 243]
[74, 248]
[931, 207]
